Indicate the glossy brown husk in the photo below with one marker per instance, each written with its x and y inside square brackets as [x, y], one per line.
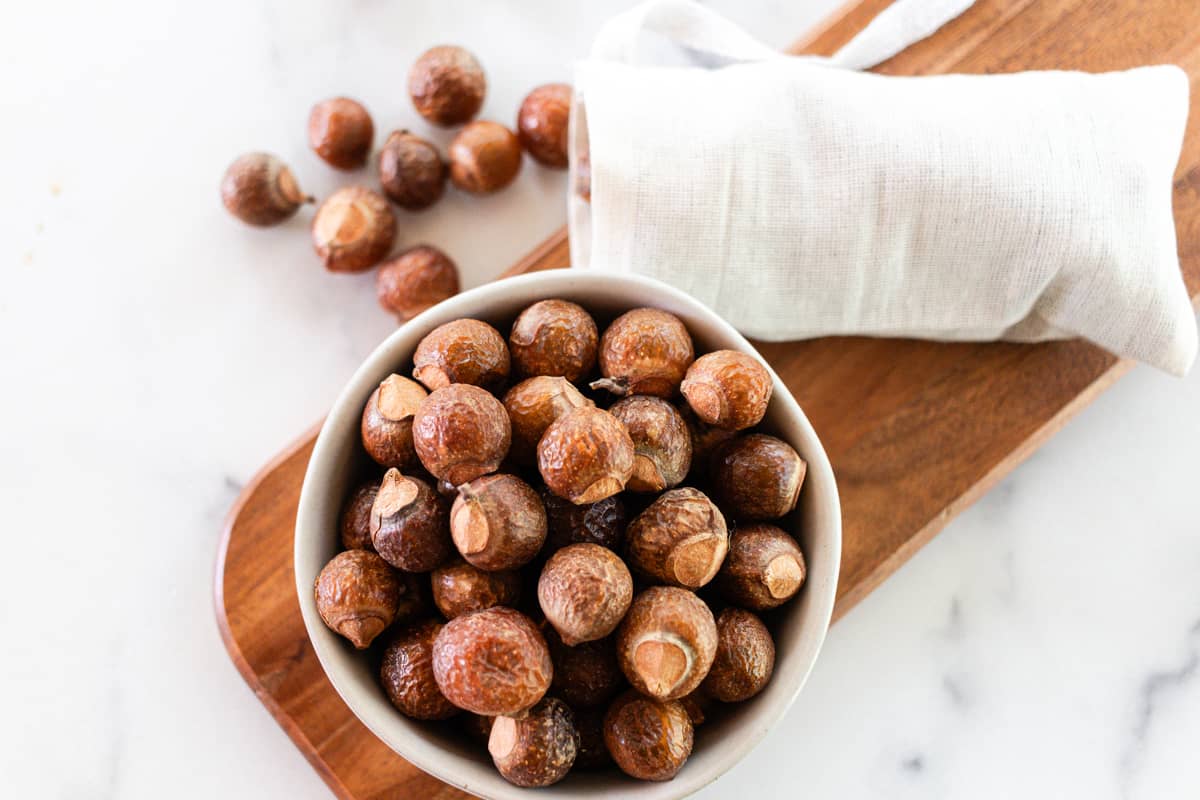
[764, 569]
[386, 426]
[586, 675]
[535, 403]
[260, 190]
[556, 338]
[460, 433]
[409, 524]
[757, 477]
[539, 748]
[340, 131]
[745, 657]
[485, 157]
[584, 591]
[416, 280]
[411, 171]
[492, 662]
[542, 124]
[462, 351]
[602, 522]
[459, 588]
[355, 523]
[662, 443]
[645, 351]
[406, 673]
[585, 455]
[648, 739]
[498, 522]
[680, 539]
[728, 389]
[666, 643]
[353, 230]
[447, 85]
[357, 594]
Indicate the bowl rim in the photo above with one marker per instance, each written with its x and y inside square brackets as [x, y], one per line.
[821, 588]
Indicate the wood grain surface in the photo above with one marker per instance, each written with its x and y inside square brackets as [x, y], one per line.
[916, 431]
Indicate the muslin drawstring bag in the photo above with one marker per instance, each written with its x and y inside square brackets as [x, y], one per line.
[801, 197]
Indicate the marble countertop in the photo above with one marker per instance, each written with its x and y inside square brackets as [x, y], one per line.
[156, 353]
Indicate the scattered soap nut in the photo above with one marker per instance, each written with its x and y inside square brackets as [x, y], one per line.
[649, 739]
[259, 189]
[340, 131]
[745, 657]
[459, 588]
[355, 523]
[408, 524]
[353, 230]
[644, 351]
[593, 753]
[505, 639]
[461, 432]
[484, 157]
[662, 443]
[602, 522]
[680, 539]
[416, 280]
[535, 403]
[498, 522]
[584, 591]
[765, 567]
[406, 673]
[728, 389]
[585, 455]
[537, 749]
[387, 419]
[447, 85]
[666, 643]
[757, 477]
[586, 675]
[357, 594]
[556, 338]
[542, 124]
[411, 171]
[462, 351]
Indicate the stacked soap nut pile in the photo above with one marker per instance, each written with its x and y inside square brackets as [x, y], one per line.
[355, 228]
[571, 638]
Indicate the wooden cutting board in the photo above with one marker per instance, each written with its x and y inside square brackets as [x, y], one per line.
[916, 431]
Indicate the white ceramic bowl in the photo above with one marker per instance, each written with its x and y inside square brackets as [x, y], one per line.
[799, 626]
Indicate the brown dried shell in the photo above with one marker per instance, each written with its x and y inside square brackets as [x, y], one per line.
[417, 279]
[498, 522]
[341, 131]
[666, 643]
[485, 157]
[542, 124]
[757, 477]
[680, 539]
[357, 594]
[533, 404]
[462, 351]
[745, 657]
[492, 662]
[539, 748]
[586, 674]
[407, 674]
[259, 189]
[554, 337]
[584, 591]
[355, 524]
[353, 230]
[460, 433]
[459, 588]
[387, 422]
[765, 567]
[585, 456]
[411, 171]
[648, 739]
[447, 85]
[409, 526]
[602, 522]
[644, 351]
[728, 389]
[662, 443]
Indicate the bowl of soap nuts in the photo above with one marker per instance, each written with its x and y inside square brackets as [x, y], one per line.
[568, 530]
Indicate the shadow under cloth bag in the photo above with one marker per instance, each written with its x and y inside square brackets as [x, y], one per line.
[802, 197]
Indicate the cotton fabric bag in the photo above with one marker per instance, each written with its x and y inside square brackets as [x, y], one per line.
[801, 197]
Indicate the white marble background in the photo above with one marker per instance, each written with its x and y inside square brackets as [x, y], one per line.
[154, 353]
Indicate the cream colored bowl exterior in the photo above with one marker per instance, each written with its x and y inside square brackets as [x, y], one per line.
[800, 627]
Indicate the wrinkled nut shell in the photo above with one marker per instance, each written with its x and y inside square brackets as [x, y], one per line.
[586, 674]
[556, 338]
[765, 567]
[447, 85]
[386, 427]
[644, 351]
[415, 280]
[680, 539]
[585, 456]
[462, 351]
[542, 124]
[498, 522]
[757, 477]
[535, 403]
[357, 594]
[648, 739]
[662, 443]
[409, 524]
[353, 230]
[745, 657]
[484, 157]
[460, 433]
[406, 673]
[666, 643]
[259, 189]
[459, 588]
[539, 748]
[340, 131]
[584, 591]
[492, 662]
[602, 522]
[728, 389]
[355, 524]
[411, 171]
